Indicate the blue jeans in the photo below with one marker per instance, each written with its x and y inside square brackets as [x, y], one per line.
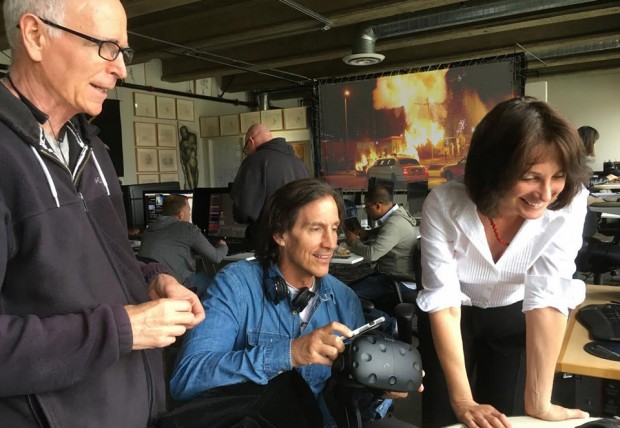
[379, 289]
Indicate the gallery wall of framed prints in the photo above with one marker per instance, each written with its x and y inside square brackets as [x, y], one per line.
[238, 124]
[157, 121]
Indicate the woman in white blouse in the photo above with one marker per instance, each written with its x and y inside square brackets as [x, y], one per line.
[498, 255]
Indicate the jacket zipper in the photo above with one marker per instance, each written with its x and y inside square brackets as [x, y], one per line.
[147, 366]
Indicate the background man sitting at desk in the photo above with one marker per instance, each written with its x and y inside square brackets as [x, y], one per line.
[173, 241]
[391, 245]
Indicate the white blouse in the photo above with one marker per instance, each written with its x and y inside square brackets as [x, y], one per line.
[537, 267]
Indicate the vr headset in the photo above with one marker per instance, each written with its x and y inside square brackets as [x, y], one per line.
[378, 361]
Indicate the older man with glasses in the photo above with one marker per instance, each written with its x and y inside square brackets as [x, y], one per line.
[80, 318]
[270, 164]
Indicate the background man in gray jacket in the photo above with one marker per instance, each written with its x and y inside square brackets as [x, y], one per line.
[391, 245]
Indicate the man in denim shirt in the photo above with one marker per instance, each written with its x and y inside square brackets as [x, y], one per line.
[279, 313]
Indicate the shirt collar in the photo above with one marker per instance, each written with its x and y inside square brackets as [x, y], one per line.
[387, 214]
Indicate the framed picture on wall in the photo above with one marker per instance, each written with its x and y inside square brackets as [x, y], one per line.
[169, 176]
[148, 178]
[272, 119]
[166, 108]
[166, 135]
[302, 151]
[185, 110]
[229, 124]
[248, 119]
[295, 118]
[144, 134]
[168, 160]
[210, 126]
[144, 105]
[146, 159]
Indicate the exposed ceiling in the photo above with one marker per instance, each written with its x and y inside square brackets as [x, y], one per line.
[248, 42]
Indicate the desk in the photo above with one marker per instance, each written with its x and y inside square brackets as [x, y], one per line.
[526, 421]
[609, 197]
[573, 359]
[351, 260]
[239, 256]
[613, 187]
[606, 207]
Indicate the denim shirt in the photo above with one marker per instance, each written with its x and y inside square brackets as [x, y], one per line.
[246, 337]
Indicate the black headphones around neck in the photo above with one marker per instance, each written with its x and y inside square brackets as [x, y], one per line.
[276, 290]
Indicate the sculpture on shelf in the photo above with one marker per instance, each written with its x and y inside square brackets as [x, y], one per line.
[188, 143]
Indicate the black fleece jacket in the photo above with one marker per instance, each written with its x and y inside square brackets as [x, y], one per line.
[270, 167]
[66, 271]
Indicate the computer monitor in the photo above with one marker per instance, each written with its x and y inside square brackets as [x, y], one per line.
[154, 200]
[213, 213]
[133, 199]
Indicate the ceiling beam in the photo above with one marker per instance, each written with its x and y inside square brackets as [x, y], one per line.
[180, 69]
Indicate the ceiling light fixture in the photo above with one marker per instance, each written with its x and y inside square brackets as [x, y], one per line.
[363, 50]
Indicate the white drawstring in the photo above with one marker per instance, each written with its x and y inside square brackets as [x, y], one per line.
[50, 182]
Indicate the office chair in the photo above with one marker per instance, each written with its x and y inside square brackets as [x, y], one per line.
[597, 257]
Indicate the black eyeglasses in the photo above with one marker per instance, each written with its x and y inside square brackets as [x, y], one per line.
[245, 146]
[108, 50]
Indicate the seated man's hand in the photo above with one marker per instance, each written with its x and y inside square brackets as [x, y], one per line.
[320, 346]
[350, 237]
[167, 286]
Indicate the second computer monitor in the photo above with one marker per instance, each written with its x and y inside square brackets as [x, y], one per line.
[213, 213]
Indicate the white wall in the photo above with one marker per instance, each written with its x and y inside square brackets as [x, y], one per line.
[590, 98]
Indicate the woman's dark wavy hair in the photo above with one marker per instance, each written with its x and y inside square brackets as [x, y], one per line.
[281, 211]
[502, 147]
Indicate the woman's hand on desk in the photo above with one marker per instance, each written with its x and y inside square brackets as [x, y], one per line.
[557, 413]
[473, 414]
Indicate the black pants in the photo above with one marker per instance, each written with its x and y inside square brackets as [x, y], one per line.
[494, 348]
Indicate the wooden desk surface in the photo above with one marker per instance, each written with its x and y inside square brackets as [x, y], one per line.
[573, 359]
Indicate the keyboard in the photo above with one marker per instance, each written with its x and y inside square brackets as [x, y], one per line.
[601, 320]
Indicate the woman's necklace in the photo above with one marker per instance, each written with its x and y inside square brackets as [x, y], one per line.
[496, 233]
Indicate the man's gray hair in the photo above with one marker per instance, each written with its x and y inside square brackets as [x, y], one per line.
[53, 10]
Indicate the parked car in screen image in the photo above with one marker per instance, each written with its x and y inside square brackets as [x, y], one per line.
[455, 170]
[399, 169]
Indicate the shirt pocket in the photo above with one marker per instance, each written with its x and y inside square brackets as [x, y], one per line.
[265, 337]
